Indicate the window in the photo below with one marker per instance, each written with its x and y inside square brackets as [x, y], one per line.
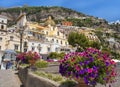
[32, 43]
[2, 26]
[2, 21]
[56, 49]
[11, 37]
[38, 37]
[33, 34]
[61, 42]
[39, 47]
[48, 49]
[0, 47]
[46, 39]
[57, 41]
[33, 48]
[25, 44]
[47, 33]
[15, 47]
[52, 40]
[0, 38]
[65, 43]
[58, 33]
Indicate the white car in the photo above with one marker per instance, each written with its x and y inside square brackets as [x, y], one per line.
[115, 60]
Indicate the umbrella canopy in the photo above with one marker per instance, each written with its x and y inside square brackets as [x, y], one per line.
[9, 51]
[9, 55]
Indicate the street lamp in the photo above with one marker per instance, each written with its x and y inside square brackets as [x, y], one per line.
[21, 30]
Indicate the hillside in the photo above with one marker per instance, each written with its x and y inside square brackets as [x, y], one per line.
[39, 14]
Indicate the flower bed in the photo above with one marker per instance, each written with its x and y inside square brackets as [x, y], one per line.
[90, 65]
[62, 81]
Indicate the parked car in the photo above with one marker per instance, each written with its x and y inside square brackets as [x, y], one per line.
[52, 60]
[117, 61]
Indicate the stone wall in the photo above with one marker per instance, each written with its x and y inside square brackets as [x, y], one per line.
[23, 73]
[31, 80]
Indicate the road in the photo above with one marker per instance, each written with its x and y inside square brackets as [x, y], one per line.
[9, 78]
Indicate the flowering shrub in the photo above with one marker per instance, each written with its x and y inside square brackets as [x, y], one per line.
[27, 57]
[91, 65]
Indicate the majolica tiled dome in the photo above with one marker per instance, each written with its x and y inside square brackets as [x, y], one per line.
[49, 21]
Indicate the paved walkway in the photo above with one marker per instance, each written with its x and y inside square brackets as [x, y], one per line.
[8, 78]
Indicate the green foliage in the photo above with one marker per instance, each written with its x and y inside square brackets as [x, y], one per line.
[54, 77]
[82, 41]
[95, 44]
[68, 83]
[85, 22]
[54, 55]
[115, 55]
[57, 78]
[34, 14]
[61, 55]
[41, 64]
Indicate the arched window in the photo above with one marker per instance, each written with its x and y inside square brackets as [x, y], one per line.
[11, 37]
[2, 26]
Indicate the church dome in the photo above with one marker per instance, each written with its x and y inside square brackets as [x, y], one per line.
[49, 21]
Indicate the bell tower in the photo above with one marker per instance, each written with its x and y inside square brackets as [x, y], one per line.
[21, 20]
[3, 23]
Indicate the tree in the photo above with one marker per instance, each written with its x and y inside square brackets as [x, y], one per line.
[95, 44]
[81, 42]
[79, 39]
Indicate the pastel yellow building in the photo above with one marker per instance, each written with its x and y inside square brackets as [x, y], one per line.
[42, 38]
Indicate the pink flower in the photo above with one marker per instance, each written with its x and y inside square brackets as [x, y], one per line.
[112, 62]
[77, 68]
[89, 70]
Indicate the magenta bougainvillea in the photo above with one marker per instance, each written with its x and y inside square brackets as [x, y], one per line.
[92, 65]
[26, 56]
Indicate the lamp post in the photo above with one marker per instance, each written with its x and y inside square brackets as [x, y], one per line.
[21, 30]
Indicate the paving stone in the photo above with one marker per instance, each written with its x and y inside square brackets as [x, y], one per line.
[8, 78]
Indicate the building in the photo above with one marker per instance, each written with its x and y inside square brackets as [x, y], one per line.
[43, 39]
[89, 34]
[8, 39]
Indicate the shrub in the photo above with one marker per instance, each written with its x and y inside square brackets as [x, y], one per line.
[55, 55]
[57, 78]
[53, 77]
[41, 64]
[68, 83]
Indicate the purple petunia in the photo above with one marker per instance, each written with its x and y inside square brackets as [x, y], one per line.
[92, 65]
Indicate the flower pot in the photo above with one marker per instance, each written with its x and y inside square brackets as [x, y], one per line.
[81, 83]
[31, 62]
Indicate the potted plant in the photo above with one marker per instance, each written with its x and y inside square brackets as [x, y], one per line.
[88, 67]
[28, 57]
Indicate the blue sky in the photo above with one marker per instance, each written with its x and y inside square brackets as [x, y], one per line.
[107, 9]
